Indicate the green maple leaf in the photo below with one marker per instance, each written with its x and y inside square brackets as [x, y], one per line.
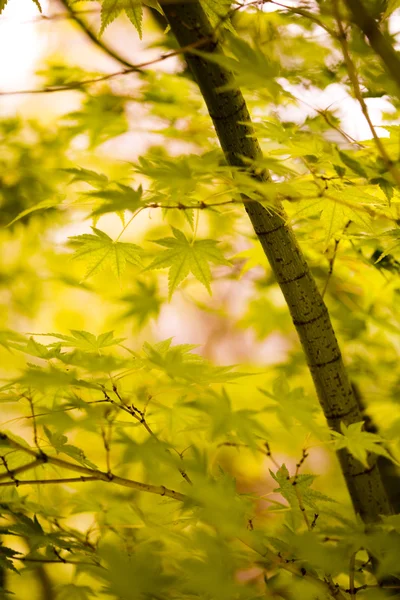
[337, 209]
[83, 340]
[59, 443]
[43, 205]
[31, 529]
[303, 485]
[226, 421]
[94, 179]
[143, 304]
[353, 164]
[93, 117]
[99, 251]
[117, 201]
[111, 9]
[359, 443]
[183, 257]
[51, 378]
[135, 577]
[11, 339]
[34, 348]
[180, 363]
[6, 556]
[291, 405]
[217, 11]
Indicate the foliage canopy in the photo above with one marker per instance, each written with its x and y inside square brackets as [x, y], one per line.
[147, 451]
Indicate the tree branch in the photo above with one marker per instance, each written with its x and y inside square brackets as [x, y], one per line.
[376, 38]
[310, 316]
[353, 76]
[96, 475]
[93, 37]
[13, 472]
[76, 85]
[140, 416]
[88, 474]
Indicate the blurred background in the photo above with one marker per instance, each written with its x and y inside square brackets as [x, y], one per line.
[105, 128]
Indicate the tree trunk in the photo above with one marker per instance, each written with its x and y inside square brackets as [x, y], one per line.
[310, 316]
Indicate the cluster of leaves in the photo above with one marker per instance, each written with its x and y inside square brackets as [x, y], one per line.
[150, 469]
[170, 397]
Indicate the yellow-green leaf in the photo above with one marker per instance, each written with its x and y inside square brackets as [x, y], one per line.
[99, 251]
[183, 257]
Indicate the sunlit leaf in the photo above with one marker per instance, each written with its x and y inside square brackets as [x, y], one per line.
[59, 442]
[99, 251]
[84, 340]
[360, 443]
[111, 9]
[183, 257]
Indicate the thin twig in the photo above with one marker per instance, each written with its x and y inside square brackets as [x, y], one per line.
[297, 491]
[265, 452]
[56, 561]
[269, 454]
[305, 14]
[35, 433]
[106, 436]
[83, 539]
[94, 38]
[333, 259]
[139, 415]
[13, 472]
[59, 480]
[381, 587]
[304, 456]
[85, 471]
[351, 575]
[76, 85]
[45, 414]
[52, 17]
[379, 42]
[314, 521]
[96, 475]
[288, 564]
[353, 76]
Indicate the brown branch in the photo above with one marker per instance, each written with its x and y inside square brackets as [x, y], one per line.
[82, 479]
[76, 85]
[288, 564]
[381, 587]
[96, 475]
[352, 574]
[139, 415]
[93, 37]
[63, 561]
[379, 42]
[265, 451]
[93, 473]
[106, 436]
[303, 13]
[304, 456]
[354, 80]
[300, 502]
[52, 17]
[13, 472]
[35, 432]
[333, 259]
